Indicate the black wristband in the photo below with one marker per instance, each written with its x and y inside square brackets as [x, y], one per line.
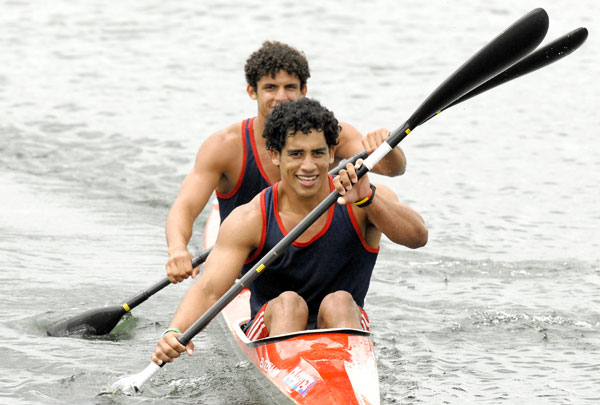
[368, 200]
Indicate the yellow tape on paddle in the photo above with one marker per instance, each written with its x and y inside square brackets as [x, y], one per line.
[260, 268]
[126, 307]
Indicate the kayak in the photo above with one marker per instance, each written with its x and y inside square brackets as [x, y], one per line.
[322, 366]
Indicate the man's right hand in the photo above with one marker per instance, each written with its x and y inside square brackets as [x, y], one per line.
[169, 348]
[179, 266]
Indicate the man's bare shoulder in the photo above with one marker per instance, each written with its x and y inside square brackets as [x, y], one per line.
[230, 136]
[348, 131]
[349, 142]
[222, 149]
[245, 222]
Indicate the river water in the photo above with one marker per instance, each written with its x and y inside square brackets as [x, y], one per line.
[104, 104]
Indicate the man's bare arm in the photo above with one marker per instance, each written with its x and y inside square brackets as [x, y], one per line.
[209, 169]
[384, 213]
[239, 234]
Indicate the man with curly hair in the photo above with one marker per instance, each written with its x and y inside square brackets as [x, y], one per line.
[321, 280]
[235, 163]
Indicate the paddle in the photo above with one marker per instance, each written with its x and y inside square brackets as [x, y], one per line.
[102, 320]
[544, 56]
[518, 40]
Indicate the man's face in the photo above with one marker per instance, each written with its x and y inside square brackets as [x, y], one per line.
[303, 162]
[272, 91]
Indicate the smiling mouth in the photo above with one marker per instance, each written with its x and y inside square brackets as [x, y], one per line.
[307, 181]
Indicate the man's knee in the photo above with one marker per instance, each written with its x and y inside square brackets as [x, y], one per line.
[337, 300]
[339, 310]
[290, 304]
[286, 313]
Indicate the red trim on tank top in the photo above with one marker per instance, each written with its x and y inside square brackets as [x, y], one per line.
[356, 226]
[321, 232]
[263, 235]
[255, 153]
[239, 182]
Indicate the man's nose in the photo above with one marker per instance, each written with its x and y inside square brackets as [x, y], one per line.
[281, 94]
[308, 163]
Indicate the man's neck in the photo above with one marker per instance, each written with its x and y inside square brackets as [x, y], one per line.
[290, 201]
[259, 127]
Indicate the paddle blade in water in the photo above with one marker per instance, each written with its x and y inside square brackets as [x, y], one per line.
[131, 385]
[94, 322]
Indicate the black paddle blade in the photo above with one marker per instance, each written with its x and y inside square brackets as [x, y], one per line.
[102, 321]
[506, 49]
[554, 51]
[94, 322]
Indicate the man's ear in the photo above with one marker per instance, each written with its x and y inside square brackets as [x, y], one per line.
[332, 154]
[275, 156]
[304, 90]
[251, 92]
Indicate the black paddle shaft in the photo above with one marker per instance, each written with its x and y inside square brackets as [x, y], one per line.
[144, 295]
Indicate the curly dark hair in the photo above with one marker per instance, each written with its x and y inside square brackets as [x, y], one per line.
[303, 115]
[272, 57]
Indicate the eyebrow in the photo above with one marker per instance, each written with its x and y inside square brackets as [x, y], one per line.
[274, 83]
[323, 149]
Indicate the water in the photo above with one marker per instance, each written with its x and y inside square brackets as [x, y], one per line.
[102, 107]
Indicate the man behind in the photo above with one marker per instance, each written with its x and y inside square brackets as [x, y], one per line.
[235, 161]
[322, 279]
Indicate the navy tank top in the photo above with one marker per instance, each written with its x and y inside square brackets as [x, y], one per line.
[253, 178]
[337, 258]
